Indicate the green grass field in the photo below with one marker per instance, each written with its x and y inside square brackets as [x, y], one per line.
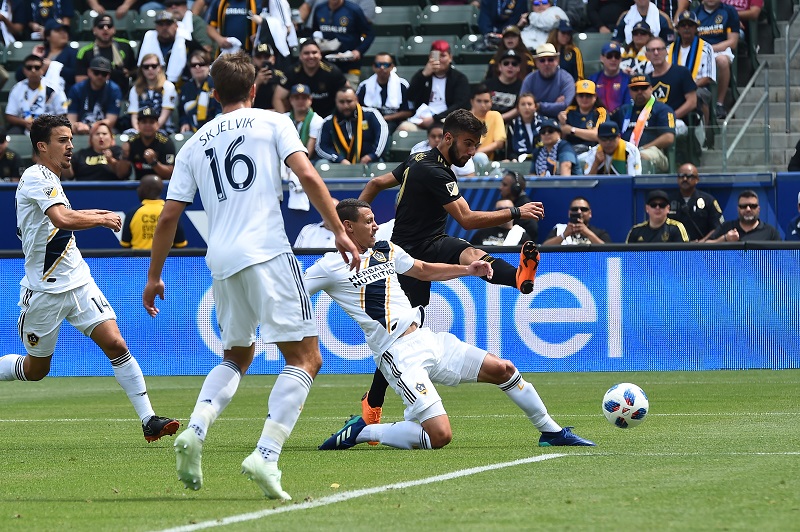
[718, 451]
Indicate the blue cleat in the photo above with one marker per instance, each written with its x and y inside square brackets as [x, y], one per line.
[564, 438]
[346, 436]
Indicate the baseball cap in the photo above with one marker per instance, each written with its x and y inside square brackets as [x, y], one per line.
[657, 194]
[147, 112]
[551, 123]
[511, 54]
[688, 16]
[53, 24]
[440, 46]
[104, 19]
[100, 63]
[641, 79]
[608, 129]
[546, 50]
[611, 47]
[565, 27]
[168, 3]
[511, 29]
[644, 26]
[585, 86]
[164, 16]
[300, 88]
[263, 49]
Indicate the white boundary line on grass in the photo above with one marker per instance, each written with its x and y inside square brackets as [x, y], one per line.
[347, 495]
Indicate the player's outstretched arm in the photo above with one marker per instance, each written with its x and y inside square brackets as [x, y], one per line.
[70, 220]
[469, 219]
[437, 271]
[162, 242]
[320, 197]
[376, 185]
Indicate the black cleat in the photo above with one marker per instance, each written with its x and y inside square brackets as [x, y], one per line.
[159, 426]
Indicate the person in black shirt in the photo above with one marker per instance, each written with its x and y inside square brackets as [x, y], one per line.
[268, 77]
[322, 78]
[506, 234]
[148, 151]
[428, 193]
[578, 231]
[698, 211]
[99, 160]
[10, 162]
[658, 229]
[748, 227]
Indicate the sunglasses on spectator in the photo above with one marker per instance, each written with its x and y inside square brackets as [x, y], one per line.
[509, 63]
[579, 209]
[376, 64]
[149, 66]
[657, 49]
[105, 26]
[33, 68]
[547, 131]
[100, 73]
[547, 59]
[613, 56]
[687, 176]
[165, 22]
[657, 205]
[638, 88]
[751, 206]
[198, 65]
[640, 33]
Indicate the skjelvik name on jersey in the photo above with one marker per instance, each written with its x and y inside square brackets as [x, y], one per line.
[226, 125]
[372, 274]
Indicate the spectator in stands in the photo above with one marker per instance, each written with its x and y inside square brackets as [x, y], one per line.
[698, 211]
[570, 58]
[170, 47]
[437, 89]
[659, 228]
[747, 227]
[11, 164]
[524, 128]
[56, 48]
[647, 123]
[748, 10]
[268, 76]
[536, 25]
[120, 8]
[308, 6]
[793, 229]
[152, 89]
[30, 98]
[118, 52]
[672, 8]
[148, 151]
[99, 160]
[513, 188]
[323, 78]
[611, 82]
[553, 156]
[435, 135]
[552, 87]
[794, 162]
[43, 11]
[345, 22]
[94, 99]
[505, 87]
[697, 55]
[604, 14]
[316, 235]
[634, 58]
[277, 29]
[140, 222]
[612, 155]
[495, 138]
[506, 234]
[579, 230]
[495, 15]
[230, 24]
[352, 134]
[197, 104]
[511, 41]
[191, 27]
[385, 91]
[672, 85]
[308, 122]
[643, 10]
[14, 17]
[719, 26]
[580, 120]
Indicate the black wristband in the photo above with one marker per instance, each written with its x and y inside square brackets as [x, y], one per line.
[515, 214]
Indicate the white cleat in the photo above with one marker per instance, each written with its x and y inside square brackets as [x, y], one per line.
[188, 452]
[266, 475]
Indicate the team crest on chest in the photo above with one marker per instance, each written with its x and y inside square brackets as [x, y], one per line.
[344, 22]
[421, 388]
[380, 257]
[452, 188]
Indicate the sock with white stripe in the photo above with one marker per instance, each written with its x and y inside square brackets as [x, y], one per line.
[129, 376]
[285, 404]
[401, 435]
[218, 389]
[527, 398]
[11, 368]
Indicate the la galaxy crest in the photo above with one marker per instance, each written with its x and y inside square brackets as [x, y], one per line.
[421, 388]
[32, 339]
[379, 256]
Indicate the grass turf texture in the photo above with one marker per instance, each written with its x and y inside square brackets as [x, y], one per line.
[718, 451]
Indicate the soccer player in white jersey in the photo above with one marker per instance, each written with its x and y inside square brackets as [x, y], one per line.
[58, 284]
[410, 356]
[234, 161]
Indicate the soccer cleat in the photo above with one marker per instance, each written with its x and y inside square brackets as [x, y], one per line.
[371, 414]
[157, 427]
[528, 263]
[266, 475]
[563, 438]
[188, 452]
[346, 436]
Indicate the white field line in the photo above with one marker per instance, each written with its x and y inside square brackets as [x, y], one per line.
[347, 495]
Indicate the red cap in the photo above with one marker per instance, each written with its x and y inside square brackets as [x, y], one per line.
[440, 45]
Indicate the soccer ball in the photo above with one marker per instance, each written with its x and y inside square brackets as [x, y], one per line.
[625, 405]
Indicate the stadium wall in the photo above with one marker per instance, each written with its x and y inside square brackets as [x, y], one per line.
[689, 308]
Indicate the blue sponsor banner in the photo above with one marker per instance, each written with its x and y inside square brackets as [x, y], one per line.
[591, 311]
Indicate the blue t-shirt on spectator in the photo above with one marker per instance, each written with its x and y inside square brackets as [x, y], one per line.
[91, 105]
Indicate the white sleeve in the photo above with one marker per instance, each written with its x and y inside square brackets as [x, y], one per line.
[316, 278]
[182, 186]
[169, 96]
[402, 260]
[634, 159]
[133, 101]
[316, 126]
[13, 108]
[286, 137]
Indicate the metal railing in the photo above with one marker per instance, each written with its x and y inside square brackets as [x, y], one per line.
[763, 101]
[791, 51]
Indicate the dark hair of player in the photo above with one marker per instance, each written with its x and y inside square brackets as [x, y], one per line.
[347, 209]
[234, 76]
[463, 121]
[43, 126]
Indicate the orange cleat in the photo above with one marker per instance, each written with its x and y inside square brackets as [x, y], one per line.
[528, 263]
[370, 414]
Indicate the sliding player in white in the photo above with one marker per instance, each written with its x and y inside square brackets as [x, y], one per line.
[410, 356]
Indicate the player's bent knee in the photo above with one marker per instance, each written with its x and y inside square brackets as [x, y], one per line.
[438, 430]
[440, 438]
[36, 369]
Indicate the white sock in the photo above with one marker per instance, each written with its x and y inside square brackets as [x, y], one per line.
[285, 404]
[218, 389]
[401, 435]
[525, 396]
[129, 376]
[11, 368]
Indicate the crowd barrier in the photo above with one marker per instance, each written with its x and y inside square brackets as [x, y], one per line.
[730, 306]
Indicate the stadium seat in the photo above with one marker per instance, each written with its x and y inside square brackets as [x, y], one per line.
[80, 142]
[179, 139]
[453, 20]
[475, 73]
[15, 55]
[523, 168]
[418, 47]
[376, 169]
[384, 43]
[591, 44]
[22, 145]
[396, 20]
[472, 52]
[403, 141]
[142, 23]
[418, 3]
[406, 71]
[329, 170]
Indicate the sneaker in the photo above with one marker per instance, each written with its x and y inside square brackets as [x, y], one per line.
[528, 263]
[266, 475]
[346, 436]
[563, 438]
[720, 111]
[188, 452]
[157, 427]
[371, 414]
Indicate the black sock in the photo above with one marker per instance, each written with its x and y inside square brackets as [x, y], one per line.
[504, 273]
[377, 392]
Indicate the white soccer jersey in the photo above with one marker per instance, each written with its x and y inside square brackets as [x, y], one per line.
[235, 162]
[25, 102]
[372, 296]
[53, 262]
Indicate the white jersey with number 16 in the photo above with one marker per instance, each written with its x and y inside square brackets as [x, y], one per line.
[235, 163]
